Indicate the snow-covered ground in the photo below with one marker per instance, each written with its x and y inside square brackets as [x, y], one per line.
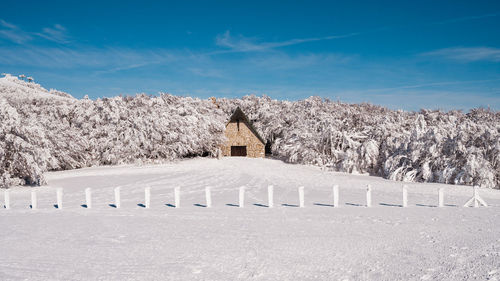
[318, 242]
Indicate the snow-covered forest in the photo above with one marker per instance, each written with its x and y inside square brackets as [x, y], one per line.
[43, 130]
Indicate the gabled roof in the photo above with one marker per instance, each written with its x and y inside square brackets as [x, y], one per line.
[239, 115]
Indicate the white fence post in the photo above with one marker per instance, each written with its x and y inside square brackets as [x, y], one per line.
[405, 196]
[301, 196]
[6, 199]
[177, 196]
[476, 199]
[270, 196]
[147, 197]
[441, 197]
[336, 196]
[241, 202]
[208, 196]
[476, 202]
[88, 197]
[59, 198]
[33, 200]
[368, 195]
[117, 197]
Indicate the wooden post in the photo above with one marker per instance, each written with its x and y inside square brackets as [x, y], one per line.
[88, 197]
[6, 199]
[441, 197]
[147, 197]
[368, 195]
[117, 197]
[336, 196]
[301, 196]
[405, 196]
[208, 196]
[59, 198]
[270, 196]
[177, 196]
[33, 200]
[241, 202]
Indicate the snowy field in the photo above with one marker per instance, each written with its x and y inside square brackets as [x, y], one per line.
[317, 242]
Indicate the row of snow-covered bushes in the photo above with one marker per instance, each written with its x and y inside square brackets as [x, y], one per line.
[426, 146]
[42, 130]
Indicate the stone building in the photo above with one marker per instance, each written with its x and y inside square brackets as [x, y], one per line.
[242, 138]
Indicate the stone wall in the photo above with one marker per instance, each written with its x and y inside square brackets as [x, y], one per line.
[242, 137]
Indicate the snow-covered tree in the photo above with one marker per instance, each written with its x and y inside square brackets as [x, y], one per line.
[44, 130]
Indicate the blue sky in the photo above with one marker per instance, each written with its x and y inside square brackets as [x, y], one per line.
[401, 54]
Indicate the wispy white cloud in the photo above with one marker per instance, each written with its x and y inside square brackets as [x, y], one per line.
[430, 85]
[57, 34]
[100, 59]
[11, 32]
[124, 67]
[111, 60]
[7, 25]
[246, 44]
[467, 18]
[284, 61]
[470, 54]
[241, 43]
[204, 71]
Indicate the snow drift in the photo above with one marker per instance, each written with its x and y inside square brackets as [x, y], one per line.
[43, 130]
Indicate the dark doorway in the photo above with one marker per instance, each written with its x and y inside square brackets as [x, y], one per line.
[238, 151]
[268, 148]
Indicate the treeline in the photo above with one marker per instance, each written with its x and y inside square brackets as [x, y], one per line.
[44, 130]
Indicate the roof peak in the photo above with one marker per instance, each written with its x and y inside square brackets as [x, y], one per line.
[238, 114]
